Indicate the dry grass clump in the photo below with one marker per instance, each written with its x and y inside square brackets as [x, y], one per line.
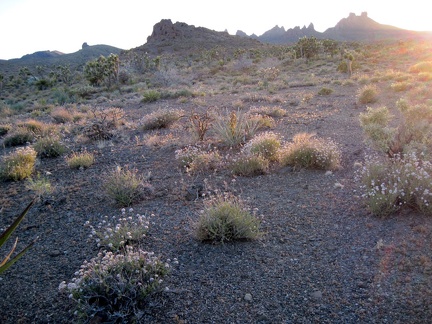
[18, 136]
[80, 160]
[49, 147]
[197, 159]
[367, 94]
[307, 151]
[37, 127]
[4, 129]
[126, 186]
[162, 118]
[61, 115]
[249, 165]
[226, 218]
[421, 67]
[265, 144]
[18, 165]
[275, 112]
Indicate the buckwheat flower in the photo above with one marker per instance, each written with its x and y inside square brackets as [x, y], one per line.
[110, 245]
[62, 286]
[123, 211]
[130, 210]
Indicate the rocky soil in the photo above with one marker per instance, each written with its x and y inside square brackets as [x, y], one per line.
[323, 258]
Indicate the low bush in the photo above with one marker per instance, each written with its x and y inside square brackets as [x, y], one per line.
[325, 91]
[249, 165]
[151, 96]
[18, 165]
[117, 285]
[117, 232]
[18, 136]
[4, 129]
[367, 94]
[265, 144]
[125, 186]
[307, 151]
[226, 218]
[196, 159]
[162, 118]
[49, 147]
[78, 160]
[390, 184]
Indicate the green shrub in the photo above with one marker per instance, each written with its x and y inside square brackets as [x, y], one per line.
[40, 185]
[18, 136]
[196, 159]
[151, 96]
[367, 94]
[78, 160]
[307, 151]
[117, 285]
[226, 219]
[390, 184]
[18, 165]
[125, 186]
[162, 118]
[265, 144]
[4, 129]
[325, 91]
[249, 165]
[49, 147]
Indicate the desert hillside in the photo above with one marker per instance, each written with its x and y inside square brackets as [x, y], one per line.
[217, 179]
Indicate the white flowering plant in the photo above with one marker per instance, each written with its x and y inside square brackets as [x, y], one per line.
[390, 184]
[308, 151]
[117, 232]
[194, 158]
[116, 286]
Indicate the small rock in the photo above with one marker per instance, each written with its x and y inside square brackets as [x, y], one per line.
[248, 297]
[328, 173]
[54, 253]
[316, 294]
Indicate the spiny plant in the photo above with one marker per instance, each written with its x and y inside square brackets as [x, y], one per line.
[7, 262]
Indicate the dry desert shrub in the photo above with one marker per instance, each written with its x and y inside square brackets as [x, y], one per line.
[161, 118]
[226, 218]
[18, 165]
[308, 151]
[367, 94]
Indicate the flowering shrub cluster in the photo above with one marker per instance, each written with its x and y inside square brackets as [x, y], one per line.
[405, 180]
[307, 151]
[266, 144]
[194, 158]
[118, 231]
[116, 285]
[19, 164]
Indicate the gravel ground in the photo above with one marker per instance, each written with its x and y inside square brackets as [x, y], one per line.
[323, 258]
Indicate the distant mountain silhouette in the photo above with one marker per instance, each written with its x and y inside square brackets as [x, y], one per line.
[52, 58]
[352, 28]
[181, 37]
[42, 55]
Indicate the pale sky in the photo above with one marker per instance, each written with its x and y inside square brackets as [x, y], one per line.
[28, 26]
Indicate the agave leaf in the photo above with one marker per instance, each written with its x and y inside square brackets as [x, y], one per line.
[6, 266]
[9, 255]
[5, 235]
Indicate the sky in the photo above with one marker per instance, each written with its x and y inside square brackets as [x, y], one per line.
[28, 26]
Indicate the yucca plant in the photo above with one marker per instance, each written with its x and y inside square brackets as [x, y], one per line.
[7, 261]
